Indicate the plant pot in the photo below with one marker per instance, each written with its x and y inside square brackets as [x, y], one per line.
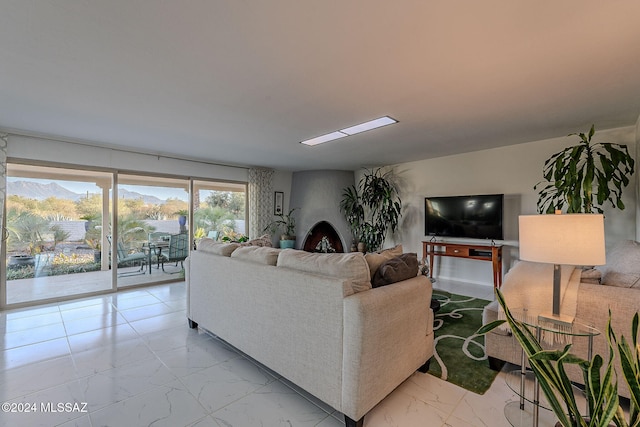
[19, 261]
[287, 244]
[97, 256]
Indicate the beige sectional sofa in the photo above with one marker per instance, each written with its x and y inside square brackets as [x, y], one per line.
[615, 287]
[314, 319]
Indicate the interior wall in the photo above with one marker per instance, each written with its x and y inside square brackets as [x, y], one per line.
[49, 150]
[513, 171]
[71, 153]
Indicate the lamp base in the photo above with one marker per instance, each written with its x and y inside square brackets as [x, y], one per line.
[557, 320]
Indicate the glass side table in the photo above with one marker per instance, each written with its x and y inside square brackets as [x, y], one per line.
[524, 383]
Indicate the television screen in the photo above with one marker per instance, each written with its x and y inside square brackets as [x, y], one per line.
[477, 217]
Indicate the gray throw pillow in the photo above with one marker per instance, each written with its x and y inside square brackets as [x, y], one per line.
[396, 270]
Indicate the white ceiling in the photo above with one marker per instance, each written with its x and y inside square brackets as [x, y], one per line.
[242, 82]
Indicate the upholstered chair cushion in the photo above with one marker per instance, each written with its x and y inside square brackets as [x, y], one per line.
[623, 265]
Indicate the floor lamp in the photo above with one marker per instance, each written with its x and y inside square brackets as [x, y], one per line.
[572, 239]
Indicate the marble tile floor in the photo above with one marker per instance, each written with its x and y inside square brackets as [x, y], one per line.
[129, 359]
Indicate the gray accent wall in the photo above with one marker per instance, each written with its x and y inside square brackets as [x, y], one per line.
[316, 195]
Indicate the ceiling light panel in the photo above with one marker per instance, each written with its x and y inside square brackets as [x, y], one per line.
[373, 124]
[324, 138]
[362, 127]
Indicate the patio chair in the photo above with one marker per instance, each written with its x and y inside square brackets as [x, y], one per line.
[178, 250]
[132, 259]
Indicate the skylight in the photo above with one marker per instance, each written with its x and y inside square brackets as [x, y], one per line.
[362, 127]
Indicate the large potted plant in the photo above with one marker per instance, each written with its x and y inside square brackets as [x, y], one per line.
[372, 208]
[287, 223]
[585, 176]
[549, 368]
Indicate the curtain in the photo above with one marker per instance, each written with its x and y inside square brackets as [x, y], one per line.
[4, 142]
[260, 200]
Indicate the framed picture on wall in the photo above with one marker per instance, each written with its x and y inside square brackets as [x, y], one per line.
[278, 201]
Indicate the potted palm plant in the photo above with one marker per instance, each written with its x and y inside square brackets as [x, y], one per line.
[585, 176]
[372, 208]
[182, 219]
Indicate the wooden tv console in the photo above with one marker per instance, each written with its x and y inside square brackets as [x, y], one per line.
[491, 253]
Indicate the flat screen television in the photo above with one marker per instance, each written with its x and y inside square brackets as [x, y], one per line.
[476, 217]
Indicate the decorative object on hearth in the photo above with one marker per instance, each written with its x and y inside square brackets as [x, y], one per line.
[325, 246]
[288, 224]
[571, 239]
[585, 176]
[372, 208]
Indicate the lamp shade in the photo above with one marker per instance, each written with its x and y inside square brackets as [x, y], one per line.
[572, 239]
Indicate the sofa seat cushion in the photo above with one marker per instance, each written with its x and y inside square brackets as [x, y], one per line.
[350, 266]
[623, 265]
[258, 254]
[396, 270]
[217, 248]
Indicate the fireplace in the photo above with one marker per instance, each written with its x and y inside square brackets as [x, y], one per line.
[323, 238]
[316, 196]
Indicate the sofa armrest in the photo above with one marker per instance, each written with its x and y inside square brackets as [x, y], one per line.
[388, 334]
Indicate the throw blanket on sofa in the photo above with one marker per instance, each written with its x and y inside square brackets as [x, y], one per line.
[529, 285]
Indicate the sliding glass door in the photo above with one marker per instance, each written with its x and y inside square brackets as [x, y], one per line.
[219, 210]
[63, 242]
[57, 221]
[153, 238]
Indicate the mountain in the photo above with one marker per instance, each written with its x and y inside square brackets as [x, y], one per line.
[38, 191]
[35, 190]
[149, 200]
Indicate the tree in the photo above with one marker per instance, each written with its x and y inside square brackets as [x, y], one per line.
[89, 206]
[173, 205]
[213, 218]
[56, 209]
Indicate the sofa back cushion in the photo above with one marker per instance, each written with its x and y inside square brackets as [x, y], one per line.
[217, 248]
[623, 265]
[351, 266]
[258, 254]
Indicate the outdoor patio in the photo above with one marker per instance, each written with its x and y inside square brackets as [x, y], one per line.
[52, 287]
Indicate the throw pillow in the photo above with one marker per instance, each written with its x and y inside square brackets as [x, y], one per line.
[590, 275]
[623, 265]
[375, 259]
[396, 270]
[264, 240]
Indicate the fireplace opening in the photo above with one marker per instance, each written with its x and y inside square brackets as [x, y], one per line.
[323, 238]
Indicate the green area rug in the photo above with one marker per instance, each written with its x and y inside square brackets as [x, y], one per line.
[460, 357]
